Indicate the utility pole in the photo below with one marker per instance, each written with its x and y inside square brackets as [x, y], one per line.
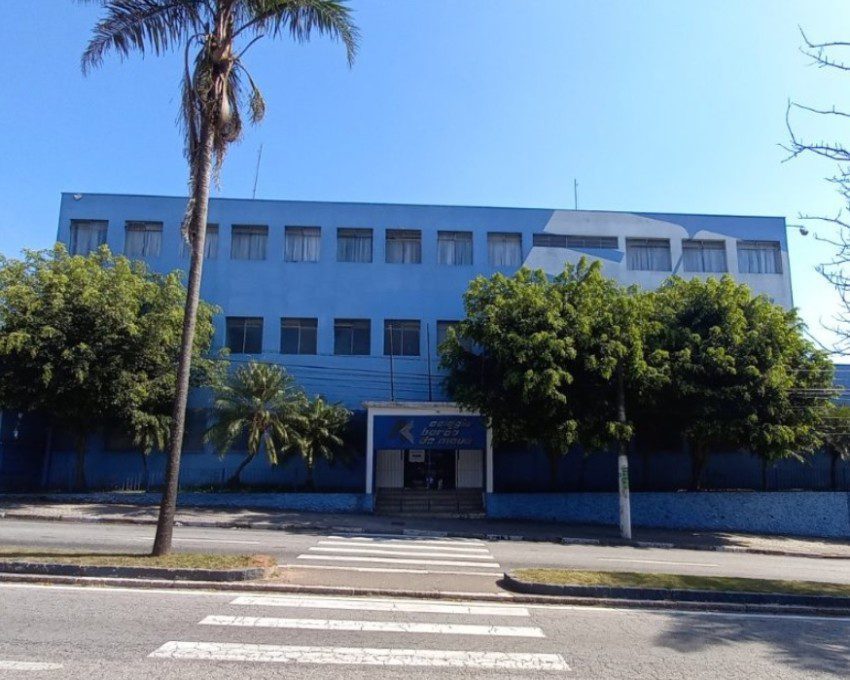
[623, 462]
[257, 171]
[575, 193]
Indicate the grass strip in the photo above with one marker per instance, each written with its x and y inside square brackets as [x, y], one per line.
[631, 579]
[176, 560]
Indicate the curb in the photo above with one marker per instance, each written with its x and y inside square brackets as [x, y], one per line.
[711, 598]
[127, 572]
[484, 536]
[452, 596]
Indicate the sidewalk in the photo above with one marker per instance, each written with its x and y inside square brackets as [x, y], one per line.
[61, 508]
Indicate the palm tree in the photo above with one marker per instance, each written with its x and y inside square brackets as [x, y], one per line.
[214, 36]
[149, 433]
[260, 403]
[319, 433]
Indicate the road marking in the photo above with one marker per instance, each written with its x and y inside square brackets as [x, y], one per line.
[374, 626]
[381, 605]
[411, 540]
[391, 570]
[404, 545]
[396, 560]
[11, 665]
[228, 651]
[408, 537]
[401, 553]
[681, 564]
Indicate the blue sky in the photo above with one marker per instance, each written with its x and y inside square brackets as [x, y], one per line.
[652, 106]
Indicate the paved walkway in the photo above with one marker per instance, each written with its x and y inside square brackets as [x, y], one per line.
[316, 523]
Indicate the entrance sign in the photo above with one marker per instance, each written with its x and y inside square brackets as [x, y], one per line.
[429, 432]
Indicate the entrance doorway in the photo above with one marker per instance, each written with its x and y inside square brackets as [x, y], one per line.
[431, 469]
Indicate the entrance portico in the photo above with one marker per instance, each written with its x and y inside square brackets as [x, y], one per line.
[427, 446]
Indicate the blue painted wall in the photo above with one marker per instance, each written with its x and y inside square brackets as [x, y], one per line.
[377, 291]
[801, 513]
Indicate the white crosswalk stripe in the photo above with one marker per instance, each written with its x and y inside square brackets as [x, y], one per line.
[261, 636]
[425, 554]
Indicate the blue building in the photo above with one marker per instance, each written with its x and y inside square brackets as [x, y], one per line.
[354, 300]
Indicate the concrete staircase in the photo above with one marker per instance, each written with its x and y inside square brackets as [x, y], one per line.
[430, 503]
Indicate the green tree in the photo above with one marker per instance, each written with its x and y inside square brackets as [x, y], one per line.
[549, 362]
[836, 438]
[87, 340]
[214, 36]
[319, 434]
[741, 373]
[260, 405]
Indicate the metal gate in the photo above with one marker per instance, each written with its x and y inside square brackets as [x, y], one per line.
[390, 469]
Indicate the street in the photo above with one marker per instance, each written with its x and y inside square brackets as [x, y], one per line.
[419, 563]
[68, 632]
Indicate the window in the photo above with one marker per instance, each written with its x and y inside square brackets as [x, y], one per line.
[759, 257]
[245, 334]
[87, 235]
[549, 240]
[352, 336]
[210, 244]
[454, 247]
[404, 246]
[401, 338]
[303, 244]
[353, 245]
[648, 254]
[143, 239]
[704, 256]
[504, 249]
[248, 242]
[598, 242]
[298, 336]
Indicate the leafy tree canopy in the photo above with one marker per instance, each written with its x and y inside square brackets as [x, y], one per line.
[741, 372]
[540, 357]
[91, 340]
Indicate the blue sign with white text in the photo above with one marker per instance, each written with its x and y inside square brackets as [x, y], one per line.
[429, 432]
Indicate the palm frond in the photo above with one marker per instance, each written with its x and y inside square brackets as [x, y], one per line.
[142, 26]
[301, 18]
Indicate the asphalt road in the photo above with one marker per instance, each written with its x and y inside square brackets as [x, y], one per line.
[417, 563]
[66, 632]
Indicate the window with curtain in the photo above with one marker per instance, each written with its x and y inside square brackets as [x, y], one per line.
[759, 257]
[404, 246]
[248, 242]
[353, 245]
[352, 336]
[303, 244]
[586, 241]
[401, 338]
[87, 235]
[504, 249]
[210, 244]
[549, 240]
[454, 247]
[704, 256]
[648, 254]
[298, 335]
[244, 334]
[143, 239]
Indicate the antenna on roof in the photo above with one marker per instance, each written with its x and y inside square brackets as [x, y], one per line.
[257, 171]
[575, 193]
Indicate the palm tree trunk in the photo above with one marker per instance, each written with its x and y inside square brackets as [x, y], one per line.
[80, 464]
[234, 481]
[198, 232]
[146, 483]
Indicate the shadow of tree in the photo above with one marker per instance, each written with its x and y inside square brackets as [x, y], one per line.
[806, 644]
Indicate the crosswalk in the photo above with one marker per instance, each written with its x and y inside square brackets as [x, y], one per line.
[368, 632]
[399, 554]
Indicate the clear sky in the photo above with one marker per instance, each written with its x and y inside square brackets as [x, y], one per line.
[653, 106]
